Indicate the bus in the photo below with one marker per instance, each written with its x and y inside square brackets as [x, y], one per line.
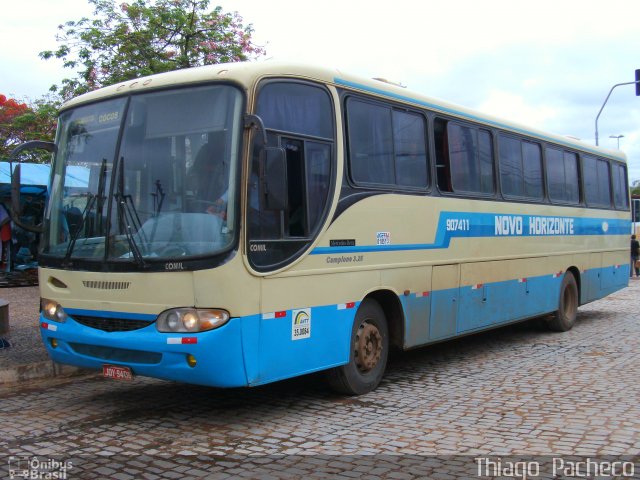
[247, 223]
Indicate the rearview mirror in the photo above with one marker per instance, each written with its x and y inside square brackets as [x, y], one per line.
[16, 201]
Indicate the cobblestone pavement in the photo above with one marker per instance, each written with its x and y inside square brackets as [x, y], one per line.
[24, 334]
[518, 391]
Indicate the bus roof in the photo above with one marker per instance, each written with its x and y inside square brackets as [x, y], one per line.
[249, 73]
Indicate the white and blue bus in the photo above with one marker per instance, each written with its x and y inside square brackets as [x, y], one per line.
[247, 223]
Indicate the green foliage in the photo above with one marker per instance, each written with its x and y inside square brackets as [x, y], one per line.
[635, 187]
[144, 37]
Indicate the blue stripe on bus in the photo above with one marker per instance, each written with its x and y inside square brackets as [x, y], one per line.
[487, 225]
[469, 116]
[254, 350]
[428, 318]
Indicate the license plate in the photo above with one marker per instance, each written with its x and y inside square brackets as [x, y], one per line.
[117, 372]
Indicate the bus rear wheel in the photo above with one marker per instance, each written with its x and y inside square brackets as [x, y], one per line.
[565, 317]
[368, 353]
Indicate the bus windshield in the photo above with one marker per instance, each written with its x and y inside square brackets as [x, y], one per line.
[146, 177]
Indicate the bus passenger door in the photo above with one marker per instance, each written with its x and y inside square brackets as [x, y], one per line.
[444, 301]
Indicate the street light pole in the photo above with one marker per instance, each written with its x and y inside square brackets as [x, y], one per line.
[605, 102]
[618, 137]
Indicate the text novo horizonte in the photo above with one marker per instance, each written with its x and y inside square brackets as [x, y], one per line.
[518, 225]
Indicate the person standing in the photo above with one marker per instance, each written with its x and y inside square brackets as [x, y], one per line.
[5, 239]
[635, 254]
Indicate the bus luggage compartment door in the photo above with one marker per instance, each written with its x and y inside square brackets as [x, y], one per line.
[444, 301]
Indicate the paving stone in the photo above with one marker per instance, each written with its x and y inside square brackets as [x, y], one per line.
[520, 390]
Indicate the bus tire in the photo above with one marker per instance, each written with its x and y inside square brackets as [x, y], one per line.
[369, 349]
[565, 317]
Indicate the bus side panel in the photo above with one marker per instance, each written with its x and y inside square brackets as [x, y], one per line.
[413, 286]
[329, 301]
[444, 302]
[250, 346]
[591, 278]
[287, 351]
[607, 272]
[495, 292]
[417, 312]
[485, 305]
[615, 274]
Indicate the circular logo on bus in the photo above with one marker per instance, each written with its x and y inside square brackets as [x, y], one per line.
[605, 227]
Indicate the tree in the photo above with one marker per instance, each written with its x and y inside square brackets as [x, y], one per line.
[635, 187]
[143, 37]
[20, 122]
[10, 109]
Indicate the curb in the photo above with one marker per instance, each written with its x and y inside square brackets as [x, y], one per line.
[36, 371]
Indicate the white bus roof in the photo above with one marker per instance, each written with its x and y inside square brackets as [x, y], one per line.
[249, 73]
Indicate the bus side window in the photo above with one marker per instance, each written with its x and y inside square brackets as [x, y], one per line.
[410, 150]
[620, 193]
[264, 224]
[371, 147]
[296, 217]
[298, 117]
[520, 167]
[464, 158]
[443, 170]
[597, 181]
[562, 175]
[387, 147]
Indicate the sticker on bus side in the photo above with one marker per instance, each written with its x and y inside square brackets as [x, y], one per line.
[383, 238]
[347, 242]
[301, 324]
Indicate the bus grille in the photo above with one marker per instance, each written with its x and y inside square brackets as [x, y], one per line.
[112, 324]
[104, 285]
[117, 354]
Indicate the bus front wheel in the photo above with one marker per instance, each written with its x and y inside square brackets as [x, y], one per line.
[565, 317]
[368, 353]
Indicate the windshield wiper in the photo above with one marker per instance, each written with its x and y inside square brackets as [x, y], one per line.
[123, 209]
[158, 199]
[93, 199]
[78, 228]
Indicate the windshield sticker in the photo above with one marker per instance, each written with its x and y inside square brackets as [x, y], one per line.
[109, 117]
[301, 324]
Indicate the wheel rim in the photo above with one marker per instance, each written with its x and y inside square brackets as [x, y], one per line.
[368, 347]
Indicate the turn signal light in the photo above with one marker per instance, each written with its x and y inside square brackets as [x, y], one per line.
[191, 360]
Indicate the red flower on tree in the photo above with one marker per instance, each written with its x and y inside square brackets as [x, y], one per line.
[20, 122]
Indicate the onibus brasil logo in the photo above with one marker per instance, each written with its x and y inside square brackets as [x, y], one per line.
[38, 468]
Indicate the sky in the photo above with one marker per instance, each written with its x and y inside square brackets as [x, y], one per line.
[546, 64]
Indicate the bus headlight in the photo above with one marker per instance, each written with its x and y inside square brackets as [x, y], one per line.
[191, 320]
[52, 310]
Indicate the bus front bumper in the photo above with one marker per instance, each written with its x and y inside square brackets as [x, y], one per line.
[218, 353]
